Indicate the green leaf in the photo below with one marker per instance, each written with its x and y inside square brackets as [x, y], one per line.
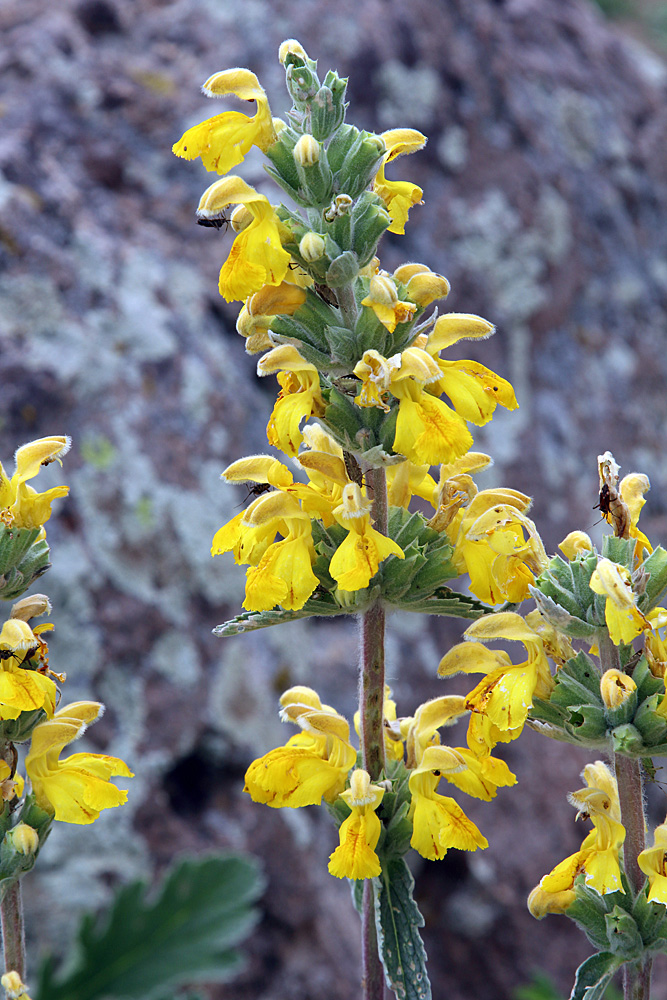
[623, 935]
[594, 975]
[397, 921]
[444, 601]
[656, 566]
[561, 618]
[139, 949]
[619, 550]
[249, 621]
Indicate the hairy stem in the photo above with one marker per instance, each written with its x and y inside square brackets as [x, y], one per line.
[372, 984]
[371, 705]
[13, 937]
[630, 781]
[371, 668]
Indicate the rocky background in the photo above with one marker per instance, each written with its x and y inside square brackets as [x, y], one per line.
[545, 189]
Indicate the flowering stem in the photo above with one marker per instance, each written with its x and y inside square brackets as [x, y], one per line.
[630, 781]
[372, 984]
[13, 937]
[371, 694]
[371, 704]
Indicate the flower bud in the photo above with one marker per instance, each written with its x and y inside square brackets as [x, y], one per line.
[24, 839]
[306, 153]
[312, 247]
[616, 687]
[327, 108]
[575, 544]
[426, 287]
[291, 47]
[314, 172]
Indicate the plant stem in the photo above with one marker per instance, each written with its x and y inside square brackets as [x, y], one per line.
[371, 706]
[372, 984]
[13, 937]
[630, 781]
[371, 668]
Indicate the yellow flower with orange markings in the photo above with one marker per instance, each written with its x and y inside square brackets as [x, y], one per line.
[358, 557]
[77, 788]
[20, 505]
[355, 856]
[473, 389]
[223, 142]
[300, 396]
[438, 822]
[598, 856]
[497, 545]
[506, 694]
[623, 617]
[399, 196]
[312, 765]
[257, 257]
[383, 299]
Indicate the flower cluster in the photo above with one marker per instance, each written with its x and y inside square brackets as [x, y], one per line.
[367, 395]
[320, 764]
[74, 789]
[361, 366]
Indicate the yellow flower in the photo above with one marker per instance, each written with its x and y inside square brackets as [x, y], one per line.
[254, 320]
[623, 617]
[427, 430]
[284, 574]
[280, 571]
[616, 687]
[655, 647]
[300, 396]
[383, 299]
[20, 505]
[424, 286]
[473, 389]
[399, 196]
[22, 689]
[575, 544]
[77, 788]
[632, 490]
[598, 855]
[653, 862]
[312, 765]
[14, 986]
[223, 141]
[497, 545]
[505, 696]
[357, 558]
[355, 856]
[438, 822]
[540, 902]
[257, 257]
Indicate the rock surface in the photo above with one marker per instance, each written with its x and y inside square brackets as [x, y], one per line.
[545, 189]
